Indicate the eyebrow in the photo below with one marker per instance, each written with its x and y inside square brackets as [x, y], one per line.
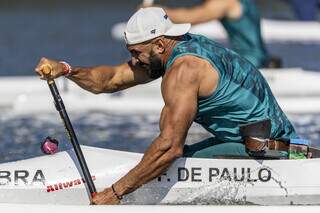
[134, 50]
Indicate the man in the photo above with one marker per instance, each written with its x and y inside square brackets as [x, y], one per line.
[240, 19]
[201, 81]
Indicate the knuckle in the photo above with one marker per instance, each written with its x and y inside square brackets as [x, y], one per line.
[44, 60]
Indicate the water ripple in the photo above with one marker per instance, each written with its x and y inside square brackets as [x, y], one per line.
[21, 134]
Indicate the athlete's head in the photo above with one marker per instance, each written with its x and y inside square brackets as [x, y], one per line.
[148, 34]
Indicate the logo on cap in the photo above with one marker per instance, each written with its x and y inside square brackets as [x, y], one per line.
[153, 31]
[165, 16]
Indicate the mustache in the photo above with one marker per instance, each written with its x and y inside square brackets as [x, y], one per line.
[144, 65]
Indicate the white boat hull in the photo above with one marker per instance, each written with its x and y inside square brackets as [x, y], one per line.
[55, 179]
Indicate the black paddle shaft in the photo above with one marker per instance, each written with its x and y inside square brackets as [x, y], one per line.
[72, 136]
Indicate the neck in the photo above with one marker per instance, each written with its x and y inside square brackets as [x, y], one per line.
[170, 44]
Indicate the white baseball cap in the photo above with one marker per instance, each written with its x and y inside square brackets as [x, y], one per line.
[152, 22]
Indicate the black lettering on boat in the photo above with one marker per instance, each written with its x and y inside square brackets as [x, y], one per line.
[213, 172]
[249, 176]
[159, 178]
[5, 177]
[183, 174]
[225, 174]
[194, 174]
[39, 177]
[22, 175]
[240, 174]
[264, 175]
[18, 177]
[235, 174]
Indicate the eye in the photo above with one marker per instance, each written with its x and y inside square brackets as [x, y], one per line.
[135, 52]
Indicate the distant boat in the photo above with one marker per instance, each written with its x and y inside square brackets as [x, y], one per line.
[296, 90]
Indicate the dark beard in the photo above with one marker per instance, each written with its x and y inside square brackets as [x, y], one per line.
[155, 69]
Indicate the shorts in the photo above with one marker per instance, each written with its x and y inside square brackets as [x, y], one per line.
[210, 148]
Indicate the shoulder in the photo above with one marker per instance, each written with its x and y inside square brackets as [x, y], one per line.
[184, 68]
[186, 72]
[188, 66]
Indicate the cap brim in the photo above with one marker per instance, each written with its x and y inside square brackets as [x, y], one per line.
[178, 29]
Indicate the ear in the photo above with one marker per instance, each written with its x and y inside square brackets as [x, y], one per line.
[159, 46]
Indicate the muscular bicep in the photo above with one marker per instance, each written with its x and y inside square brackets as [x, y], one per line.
[176, 118]
[180, 97]
[125, 76]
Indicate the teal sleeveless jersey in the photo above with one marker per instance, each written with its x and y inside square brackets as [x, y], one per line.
[245, 34]
[242, 95]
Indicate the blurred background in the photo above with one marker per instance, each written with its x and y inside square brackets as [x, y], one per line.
[79, 32]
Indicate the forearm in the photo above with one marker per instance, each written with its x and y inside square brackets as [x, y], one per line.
[181, 15]
[209, 10]
[154, 163]
[93, 79]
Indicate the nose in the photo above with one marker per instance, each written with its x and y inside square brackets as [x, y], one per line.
[134, 61]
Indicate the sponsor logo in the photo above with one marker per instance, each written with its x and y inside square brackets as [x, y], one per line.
[67, 184]
[153, 31]
[21, 177]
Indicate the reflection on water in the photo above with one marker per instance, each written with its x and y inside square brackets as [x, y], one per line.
[21, 134]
